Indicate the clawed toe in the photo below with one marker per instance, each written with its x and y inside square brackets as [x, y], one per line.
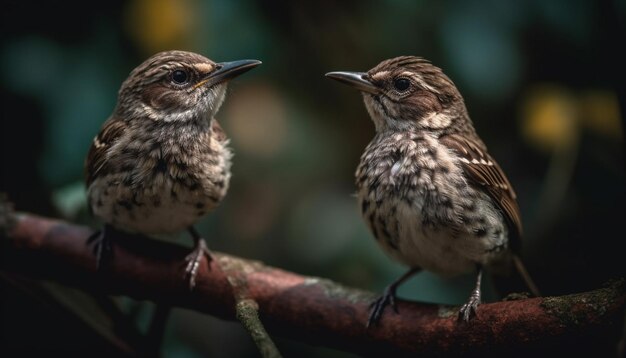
[102, 247]
[378, 306]
[468, 310]
[194, 259]
[388, 298]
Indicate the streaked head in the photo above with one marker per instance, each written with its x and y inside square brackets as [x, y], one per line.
[178, 85]
[407, 92]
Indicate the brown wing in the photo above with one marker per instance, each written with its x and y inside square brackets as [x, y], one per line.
[483, 170]
[96, 162]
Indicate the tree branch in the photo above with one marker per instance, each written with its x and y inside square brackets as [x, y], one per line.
[310, 309]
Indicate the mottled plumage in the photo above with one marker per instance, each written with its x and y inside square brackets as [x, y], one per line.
[430, 193]
[161, 161]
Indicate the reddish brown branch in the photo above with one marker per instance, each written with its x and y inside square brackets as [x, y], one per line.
[311, 309]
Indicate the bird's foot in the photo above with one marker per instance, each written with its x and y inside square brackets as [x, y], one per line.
[194, 259]
[468, 310]
[378, 306]
[102, 248]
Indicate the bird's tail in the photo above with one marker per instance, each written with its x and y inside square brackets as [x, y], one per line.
[521, 269]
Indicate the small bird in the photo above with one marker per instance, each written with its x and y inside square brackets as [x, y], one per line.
[429, 191]
[161, 161]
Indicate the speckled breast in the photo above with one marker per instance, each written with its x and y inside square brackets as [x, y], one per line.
[162, 196]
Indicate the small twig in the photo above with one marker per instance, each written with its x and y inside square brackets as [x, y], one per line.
[246, 308]
[248, 315]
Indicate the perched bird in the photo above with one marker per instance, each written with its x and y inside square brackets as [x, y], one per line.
[161, 161]
[428, 189]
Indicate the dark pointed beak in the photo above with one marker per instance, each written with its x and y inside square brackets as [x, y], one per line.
[228, 70]
[357, 80]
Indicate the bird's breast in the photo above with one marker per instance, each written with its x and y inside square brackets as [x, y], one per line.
[165, 186]
[420, 208]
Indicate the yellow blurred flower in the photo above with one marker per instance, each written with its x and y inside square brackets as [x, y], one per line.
[549, 118]
[158, 25]
[600, 113]
[552, 116]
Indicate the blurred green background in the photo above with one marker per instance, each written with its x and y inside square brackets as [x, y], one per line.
[543, 82]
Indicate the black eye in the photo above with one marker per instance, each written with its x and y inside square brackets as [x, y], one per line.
[180, 77]
[401, 84]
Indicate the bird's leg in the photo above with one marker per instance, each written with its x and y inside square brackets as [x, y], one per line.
[468, 310]
[388, 297]
[102, 247]
[195, 257]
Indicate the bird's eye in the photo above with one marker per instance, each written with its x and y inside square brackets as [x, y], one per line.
[180, 77]
[401, 84]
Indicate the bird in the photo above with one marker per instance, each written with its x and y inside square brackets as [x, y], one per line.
[161, 161]
[430, 192]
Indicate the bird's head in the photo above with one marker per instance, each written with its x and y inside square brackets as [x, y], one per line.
[406, 93]
[178, 86]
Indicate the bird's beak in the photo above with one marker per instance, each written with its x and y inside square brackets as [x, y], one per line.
[355, 79]
[228, 70]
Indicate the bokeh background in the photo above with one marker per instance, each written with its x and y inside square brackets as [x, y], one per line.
[543, 82]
